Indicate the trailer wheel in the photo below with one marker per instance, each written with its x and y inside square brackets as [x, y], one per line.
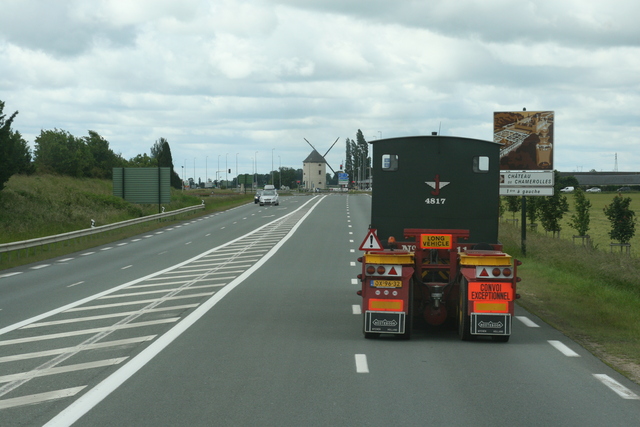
[464, 321]
[500, 338]
[371, 335]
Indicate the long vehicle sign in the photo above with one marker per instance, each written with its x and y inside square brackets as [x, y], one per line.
[435, 241]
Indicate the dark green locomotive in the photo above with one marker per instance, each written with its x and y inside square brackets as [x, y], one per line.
[438, 182]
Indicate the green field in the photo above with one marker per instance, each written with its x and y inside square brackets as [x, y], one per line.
[599, 224]
[590, 294]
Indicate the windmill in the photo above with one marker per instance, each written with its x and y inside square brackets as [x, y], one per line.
[324, 156]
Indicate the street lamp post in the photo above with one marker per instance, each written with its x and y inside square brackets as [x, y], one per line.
[226, 169]
[218, 170]
[237, 174]
[272, 183]
[206, 170]
[255, 173]
[279, 172]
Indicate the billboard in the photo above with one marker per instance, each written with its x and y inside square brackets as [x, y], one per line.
[143, 185]
[526, 156]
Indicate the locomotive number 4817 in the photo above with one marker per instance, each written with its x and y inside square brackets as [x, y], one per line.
[435, 201]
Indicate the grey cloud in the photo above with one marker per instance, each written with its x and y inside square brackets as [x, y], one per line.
[52, 27]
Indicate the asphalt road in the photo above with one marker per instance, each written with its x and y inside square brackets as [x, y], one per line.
[249, 317]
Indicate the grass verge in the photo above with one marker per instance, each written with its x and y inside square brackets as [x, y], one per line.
[591, 296]
[45, 205]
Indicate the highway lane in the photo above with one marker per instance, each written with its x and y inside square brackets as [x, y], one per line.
[33, 289]
[28, 378]
[284, 347]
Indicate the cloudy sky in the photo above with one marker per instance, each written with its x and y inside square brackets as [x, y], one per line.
[222, 80]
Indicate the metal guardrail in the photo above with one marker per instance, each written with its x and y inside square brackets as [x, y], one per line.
[26, 244]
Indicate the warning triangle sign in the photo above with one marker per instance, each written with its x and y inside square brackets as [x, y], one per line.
[371, 242]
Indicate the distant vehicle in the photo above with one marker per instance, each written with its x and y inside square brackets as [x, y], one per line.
[269, 197]
[567, 189]
[256, 198]
[624, 189]
[594, 190]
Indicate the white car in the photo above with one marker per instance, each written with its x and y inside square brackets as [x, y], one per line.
[269, 197]
[594, 190]
[567, 189]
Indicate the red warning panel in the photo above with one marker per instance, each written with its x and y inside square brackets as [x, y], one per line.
[371, 242]
[490, 291]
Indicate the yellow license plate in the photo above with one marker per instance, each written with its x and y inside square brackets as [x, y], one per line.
[386, 283]
[435, 241]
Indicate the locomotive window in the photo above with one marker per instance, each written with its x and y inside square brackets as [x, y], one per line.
[481, 164]
[389, 162]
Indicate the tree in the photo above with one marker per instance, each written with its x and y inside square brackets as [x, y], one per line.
[14, 151]
[57, 151]
[552, 209]
[533, 211]
[566, 181]
[622, 218]
[357, 161]
[363, 152]
[513, 204]
[162, 153]
[348, 164]
[142, 161]
[103, 159]
[580, 219]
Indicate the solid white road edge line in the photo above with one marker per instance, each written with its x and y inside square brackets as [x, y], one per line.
[94, 396]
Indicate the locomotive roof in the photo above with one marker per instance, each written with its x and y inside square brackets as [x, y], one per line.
[433, 136]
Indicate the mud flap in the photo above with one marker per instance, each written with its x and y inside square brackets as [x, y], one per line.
[384, 322]
[491, 324]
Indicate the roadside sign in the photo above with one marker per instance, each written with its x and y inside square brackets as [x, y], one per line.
[526, 178]
[526, 191]
[343, 178]
[371, 241]
[526, 156]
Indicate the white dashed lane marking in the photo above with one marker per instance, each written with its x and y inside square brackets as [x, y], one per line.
[527, 322]
[614, 385]
[563, 348]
